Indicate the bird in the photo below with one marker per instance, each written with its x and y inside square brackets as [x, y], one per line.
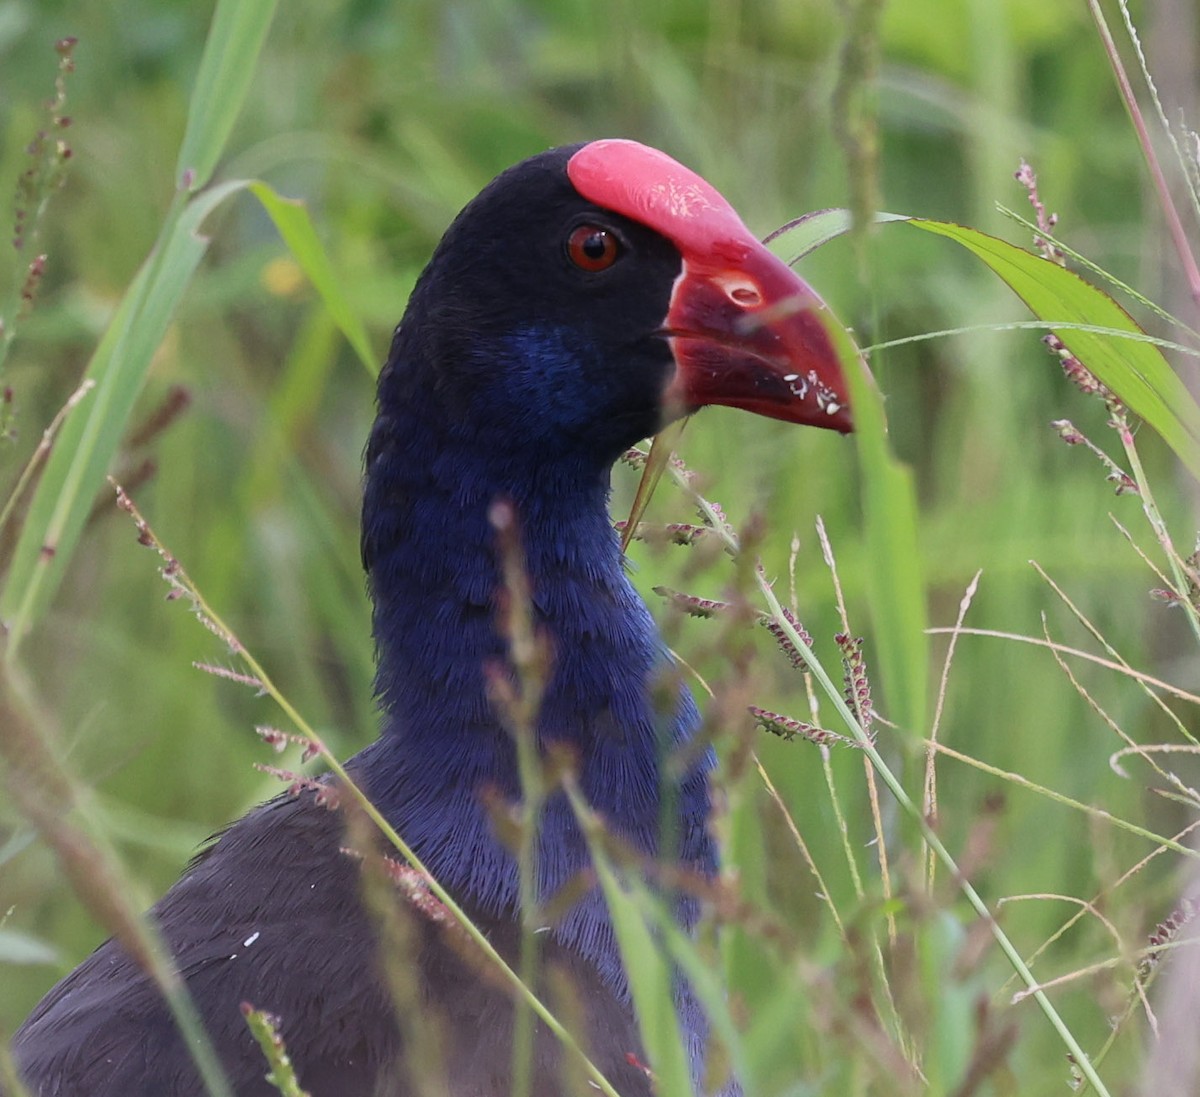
[587, 296]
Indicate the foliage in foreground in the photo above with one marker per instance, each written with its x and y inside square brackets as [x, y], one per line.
[850, 957]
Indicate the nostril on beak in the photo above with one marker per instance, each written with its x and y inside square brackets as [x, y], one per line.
[745, 294]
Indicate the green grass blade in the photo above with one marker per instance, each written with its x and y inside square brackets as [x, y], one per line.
[661, 449]
[896, 578]
[705, 980]
[77, 465]
[897, 585]
[76, 468]
[24, 948]
[651, 981]
[230, 60]
[809, 232]
[295, 226]
[1136, 371]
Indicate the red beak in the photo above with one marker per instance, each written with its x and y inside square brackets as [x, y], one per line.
[749, 333]
[745, 330]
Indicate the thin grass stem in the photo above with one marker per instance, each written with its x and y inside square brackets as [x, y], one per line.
[1077, 653]
[1166, 202]
[1159, 526]
[1033, 325]
[902, 798]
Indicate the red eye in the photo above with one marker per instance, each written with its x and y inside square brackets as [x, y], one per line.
[592, 248]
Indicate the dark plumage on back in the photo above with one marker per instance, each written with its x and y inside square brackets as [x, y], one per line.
[586, 296]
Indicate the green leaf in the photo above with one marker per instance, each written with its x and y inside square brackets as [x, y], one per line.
[1137, 371]
[650, 983]
[295, 226]
[90, 437]
[75, 470]
[230, 60]
[896, 577]
[21, 948]
[1133, 367]
[651, 980]
[705, 980]
[806, 234]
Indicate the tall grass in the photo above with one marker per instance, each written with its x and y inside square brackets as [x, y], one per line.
[848, 962]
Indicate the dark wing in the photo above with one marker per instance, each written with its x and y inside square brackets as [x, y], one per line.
[270, 915]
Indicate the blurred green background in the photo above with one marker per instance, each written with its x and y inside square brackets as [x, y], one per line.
[386, 118]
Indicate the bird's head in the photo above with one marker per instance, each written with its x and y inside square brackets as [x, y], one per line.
[591, 294]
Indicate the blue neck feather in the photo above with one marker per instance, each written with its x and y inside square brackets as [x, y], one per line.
[434, 577]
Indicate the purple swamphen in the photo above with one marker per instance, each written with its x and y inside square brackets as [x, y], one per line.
[586, 297]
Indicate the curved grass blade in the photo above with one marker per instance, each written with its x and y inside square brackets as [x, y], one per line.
[295, 226]
[896, 578]
[705, 981]
[651, 979]
[897, 586]
[1135, 370]
[230, 60]
[807, 233]
[75, 470]
[661, 448]
[85, 447]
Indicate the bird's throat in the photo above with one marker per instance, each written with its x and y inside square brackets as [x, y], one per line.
[446, 752]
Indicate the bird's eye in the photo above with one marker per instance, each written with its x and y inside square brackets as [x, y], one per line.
[592, 248]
